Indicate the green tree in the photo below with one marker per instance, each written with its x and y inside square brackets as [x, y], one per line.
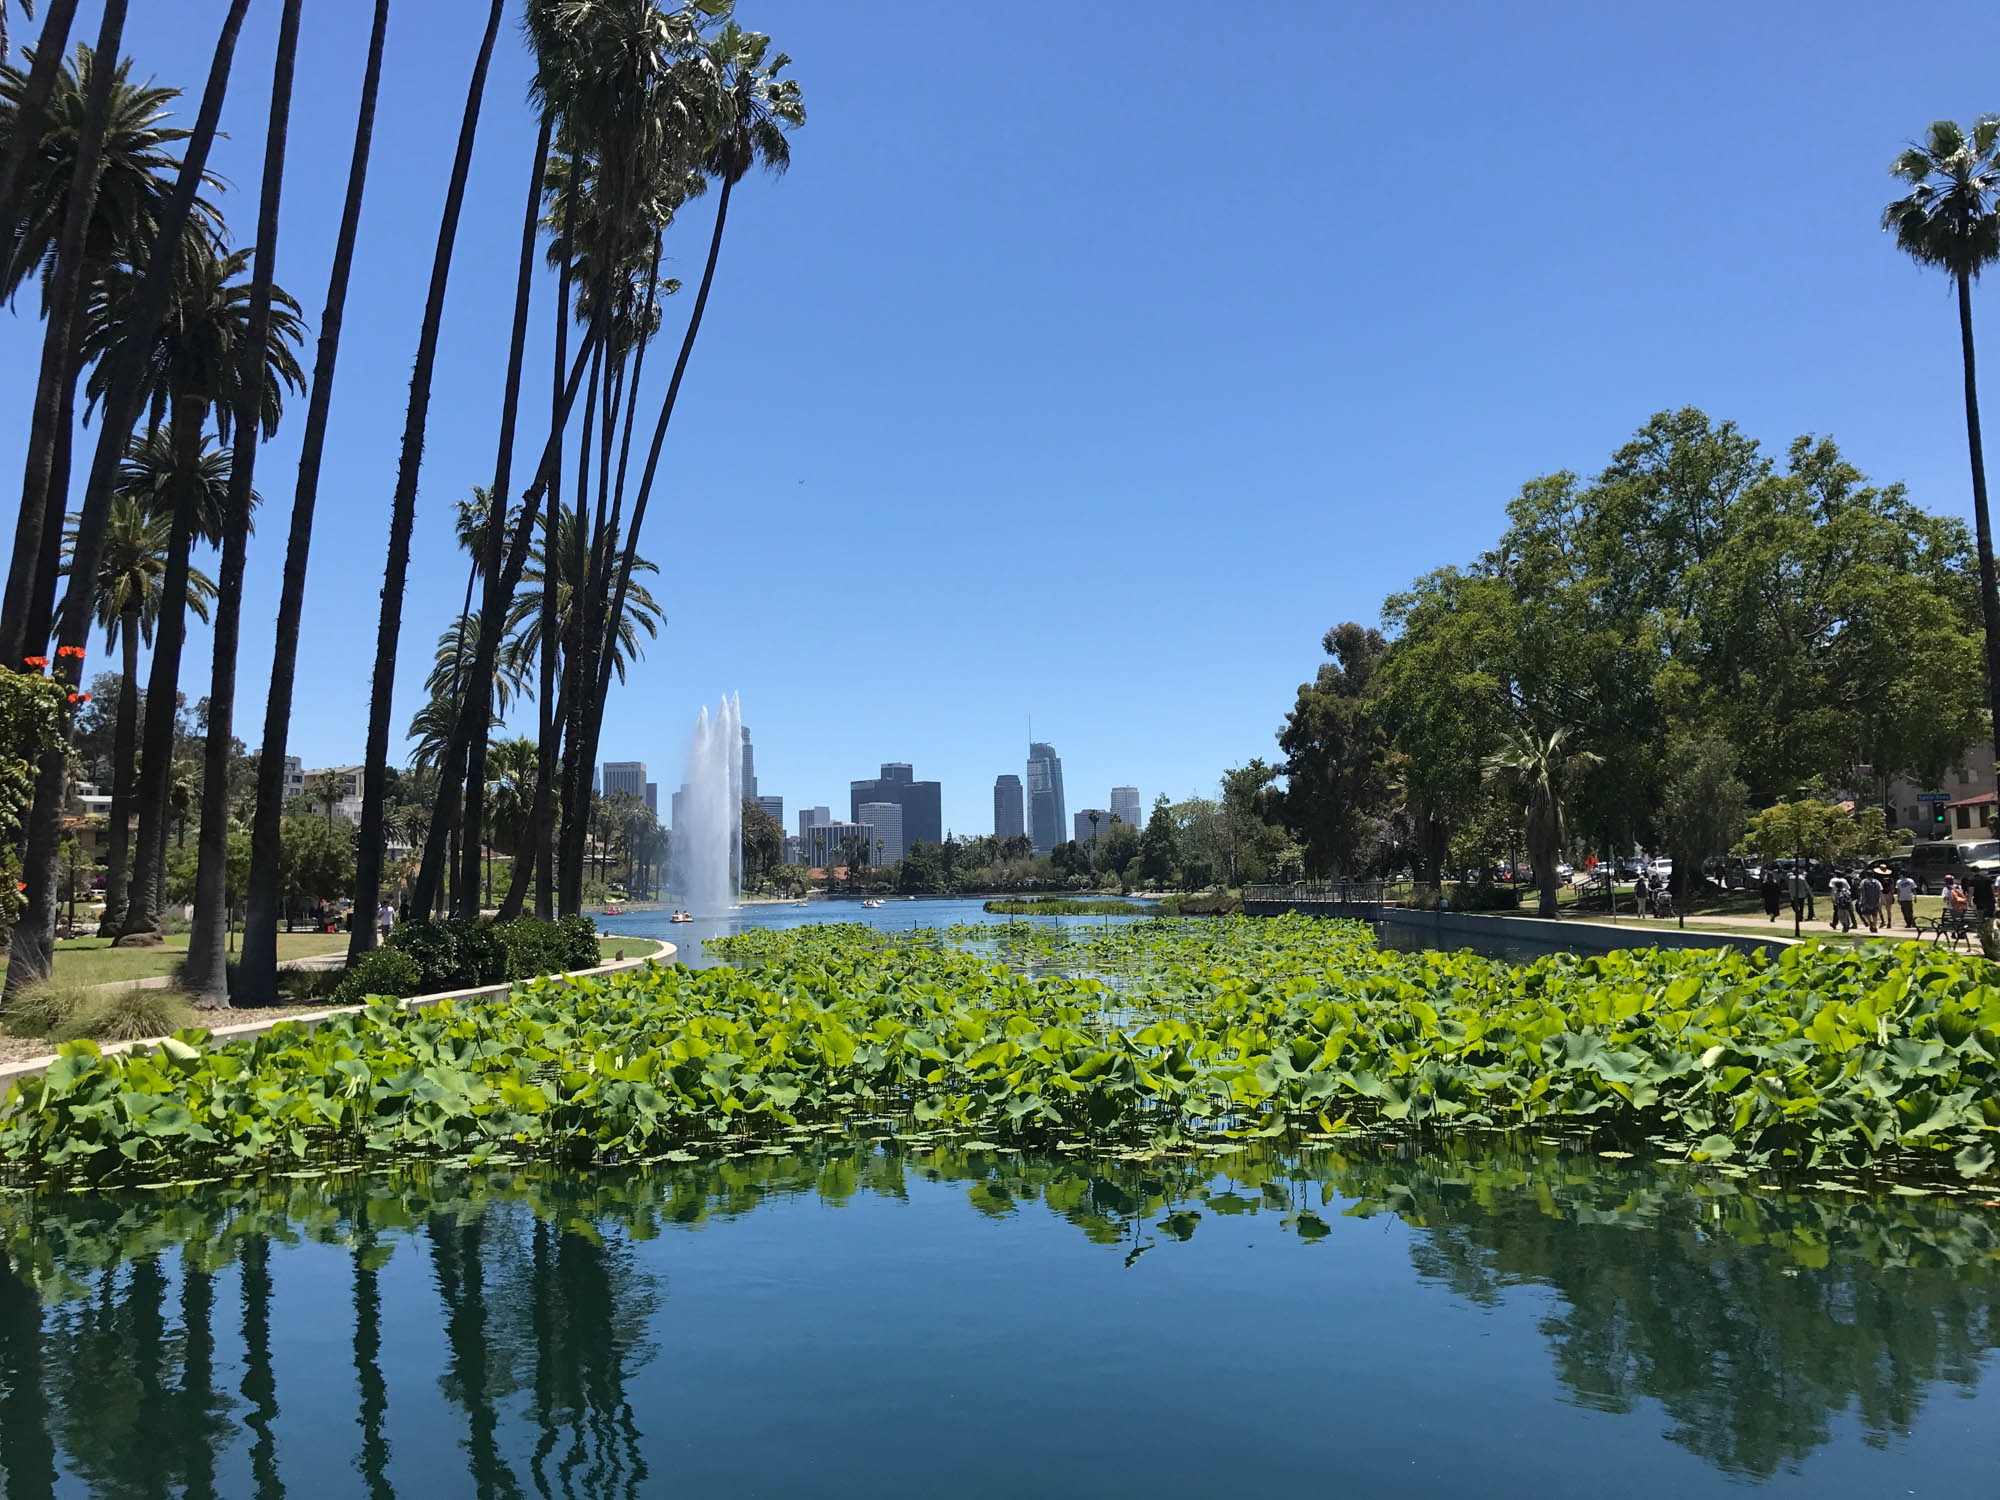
[1538, 766]
[1705, 805]
[1159, 849]
[1336, 756]
[1950, 219]
[1813, 827]
[763, 842]
[316, 863]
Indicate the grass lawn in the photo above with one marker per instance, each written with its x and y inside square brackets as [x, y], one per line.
[94, 961]
[608, 948]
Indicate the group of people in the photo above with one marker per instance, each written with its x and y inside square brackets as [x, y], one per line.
[1651, 896]
[1862, 897]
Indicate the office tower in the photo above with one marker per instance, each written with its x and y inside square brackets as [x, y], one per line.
[1007, 822]
[887, 820]
[824, 844]
[921, 801]
[1081, 829]
[775, 806]
[653, 798]
[1046, 818]
[624, 776]
[680, 798]
[749, 768]
[1125, 806]
[811, 818]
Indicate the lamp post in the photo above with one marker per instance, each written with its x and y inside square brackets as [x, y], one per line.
[1798, 859]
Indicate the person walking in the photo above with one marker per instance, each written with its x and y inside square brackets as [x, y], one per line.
[1869, 900]
[385, 920]
[1772, 892]
[1801, 893]
[1980, 886]
[1642, 894]
[1906, 897]
[1842, 919]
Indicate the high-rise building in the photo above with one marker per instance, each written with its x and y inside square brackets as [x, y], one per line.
[295, 776]
[624, 776]
[1125, 806]
[824, 844]
[811, 818]
[749, 768]
[1083, 830]
[1007, 822]
[921, 801]
[1046, 818]
[679, 801]
[775, 806]
[886, 818]
[653, 798]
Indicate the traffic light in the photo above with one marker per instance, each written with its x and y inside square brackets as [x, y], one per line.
[1938, 818]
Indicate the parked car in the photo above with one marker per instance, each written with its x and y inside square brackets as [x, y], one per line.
[1931, 862]
[1564, 871]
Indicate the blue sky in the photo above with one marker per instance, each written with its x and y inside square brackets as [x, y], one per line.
[1089, 366]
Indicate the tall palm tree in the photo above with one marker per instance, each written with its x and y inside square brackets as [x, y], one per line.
[205, 975]
[1951, 219]
[524, 621]
[192, 366]
[1539, 765]
[258, 968]
[31, 954]
[402, 514]
[32, 106]
[129, 571]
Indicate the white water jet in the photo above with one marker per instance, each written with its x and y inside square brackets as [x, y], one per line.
[704, 861]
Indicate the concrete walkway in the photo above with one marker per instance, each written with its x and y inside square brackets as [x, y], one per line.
[244, 1030]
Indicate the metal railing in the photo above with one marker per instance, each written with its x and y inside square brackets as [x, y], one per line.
[1319, 893]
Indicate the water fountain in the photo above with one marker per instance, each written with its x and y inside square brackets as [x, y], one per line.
[704, 862]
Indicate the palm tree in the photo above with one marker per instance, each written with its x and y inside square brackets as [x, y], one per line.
[258, 967]
[32, 106]
[205, 974]
[402, 514]
[524, 620]
[128, 605]
[31, 954]
[193, 363]
[1539, 765]
[1951, 219]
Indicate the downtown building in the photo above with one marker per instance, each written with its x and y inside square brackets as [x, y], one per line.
[1125, 806]
[921, 802]
[886, 818]
[624, 776]
[823, 845]
[1083, 830]
[1007, 816]
[1046, 815]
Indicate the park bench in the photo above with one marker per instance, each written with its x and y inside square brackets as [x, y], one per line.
[1955, 929]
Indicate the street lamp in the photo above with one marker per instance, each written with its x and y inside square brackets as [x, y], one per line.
[1798, 859]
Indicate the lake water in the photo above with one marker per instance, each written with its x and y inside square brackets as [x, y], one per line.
[872, 1317]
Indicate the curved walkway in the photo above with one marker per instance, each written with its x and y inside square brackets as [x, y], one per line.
[244, 1030]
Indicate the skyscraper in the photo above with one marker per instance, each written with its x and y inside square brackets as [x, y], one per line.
[653, 798]
[1007, 822]
[1083, 830]
[886, 818]
[921, 801]
[811, 818]
[1046, 816]
[749, 768]
[1125, 806]
[775, 806]
[624, 776]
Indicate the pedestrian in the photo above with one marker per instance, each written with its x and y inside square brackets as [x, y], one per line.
[1981, 885]
[1642, 893]
[1870, 901]
[1906, 897]
[1772, 892]
[1843, 903]
[385, 920]
[1954, 897]
[1801, 893]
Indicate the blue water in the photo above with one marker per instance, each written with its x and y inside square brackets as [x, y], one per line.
[870, 1320]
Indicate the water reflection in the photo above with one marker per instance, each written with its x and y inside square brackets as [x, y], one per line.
[137, 1332]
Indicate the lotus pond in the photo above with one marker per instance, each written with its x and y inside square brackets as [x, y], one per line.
[1842, 1064]
[1163, 1207]
[890, 1313]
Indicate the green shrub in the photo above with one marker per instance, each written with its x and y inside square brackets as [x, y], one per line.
[304, 986]
[1483, 897]
[42, 1009]
[1065, 906]
[126, 1015]
[462, 954]
[537, 947]
[383, 971]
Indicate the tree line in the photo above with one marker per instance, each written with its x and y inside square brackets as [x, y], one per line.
[182, 346]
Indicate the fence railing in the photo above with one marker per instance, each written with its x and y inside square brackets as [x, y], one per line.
[1319, 893]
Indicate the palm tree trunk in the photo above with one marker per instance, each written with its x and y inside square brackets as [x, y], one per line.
[206, 974]
[258, 971]
[41, 504]
[260, 1381]
[33, 947]
[28, 119]
[374, 788]
[631, 549]
[124, 758]
[373, 1390]
[1989, 591]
